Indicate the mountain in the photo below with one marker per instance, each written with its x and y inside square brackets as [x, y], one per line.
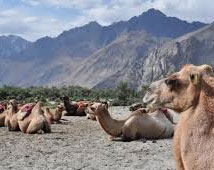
[11, 46]
[193, 48]
[114, 59]
[196, 48]
[91, 55]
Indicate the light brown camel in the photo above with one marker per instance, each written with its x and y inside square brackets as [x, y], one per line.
[138, 125]
[54, 116]
[11, 121]
[34, 121]
[191, 92]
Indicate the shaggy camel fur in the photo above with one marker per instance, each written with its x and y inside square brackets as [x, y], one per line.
[138, 125]
[11, 121]
[34, 121]
[54, 116]
[191, 92]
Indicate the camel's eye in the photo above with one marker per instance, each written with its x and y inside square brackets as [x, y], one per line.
[172, 83]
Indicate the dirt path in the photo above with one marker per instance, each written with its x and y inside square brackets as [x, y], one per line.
[82, 144]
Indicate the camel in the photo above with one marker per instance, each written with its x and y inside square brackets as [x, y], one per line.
[54, 116]
[139, 124]
[70, 108]
[11, 121]
[34, 121]
[190, 92]
[82, 105]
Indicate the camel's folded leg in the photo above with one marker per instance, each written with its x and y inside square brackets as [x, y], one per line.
[34, 126]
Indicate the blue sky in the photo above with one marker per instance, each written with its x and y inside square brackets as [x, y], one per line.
[33, 19]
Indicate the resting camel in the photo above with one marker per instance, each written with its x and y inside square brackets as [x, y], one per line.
[70, 108]
[191, 92]
[34, 121]
[11, 121]
[138, 125]
[54, 116]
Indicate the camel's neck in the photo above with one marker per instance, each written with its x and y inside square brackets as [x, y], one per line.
[58, 111]
[12, 111]
[111, 126]
[204, 109]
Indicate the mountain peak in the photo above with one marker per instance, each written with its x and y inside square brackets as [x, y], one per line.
[154, 12]
[93, 24]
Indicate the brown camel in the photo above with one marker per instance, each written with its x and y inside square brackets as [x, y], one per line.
[54, 116]
[191, 92]
[11, 121]
[70, 108]
[34, 121]
[138, 125]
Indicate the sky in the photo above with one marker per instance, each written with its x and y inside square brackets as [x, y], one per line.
[33, 19]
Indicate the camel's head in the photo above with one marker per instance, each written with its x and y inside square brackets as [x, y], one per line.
[13, 105]
[179, 91]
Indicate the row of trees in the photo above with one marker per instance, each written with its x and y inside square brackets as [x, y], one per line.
[122, 95]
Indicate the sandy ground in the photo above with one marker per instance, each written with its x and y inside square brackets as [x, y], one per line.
[82, 144]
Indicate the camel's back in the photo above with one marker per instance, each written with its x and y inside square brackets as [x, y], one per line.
[150, 125]
[163, 121]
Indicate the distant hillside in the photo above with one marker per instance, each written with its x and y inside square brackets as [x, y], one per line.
[196, 48]
[89, 55]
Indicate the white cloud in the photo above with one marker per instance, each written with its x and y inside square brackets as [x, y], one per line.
[32, 26]
[30, 19]
[31, 2]
[8, 13]
[75, 4]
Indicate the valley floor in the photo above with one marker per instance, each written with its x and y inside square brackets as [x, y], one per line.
[82, 144]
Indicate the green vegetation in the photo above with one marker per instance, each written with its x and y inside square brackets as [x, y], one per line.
[122, 95]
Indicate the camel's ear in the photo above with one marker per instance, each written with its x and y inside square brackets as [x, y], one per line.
[195, 78]
[207, 70]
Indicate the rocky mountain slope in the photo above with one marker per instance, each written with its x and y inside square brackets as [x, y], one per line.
[196, 48]
[91, 55]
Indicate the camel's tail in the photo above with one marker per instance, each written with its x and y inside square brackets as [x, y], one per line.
[111, 126]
